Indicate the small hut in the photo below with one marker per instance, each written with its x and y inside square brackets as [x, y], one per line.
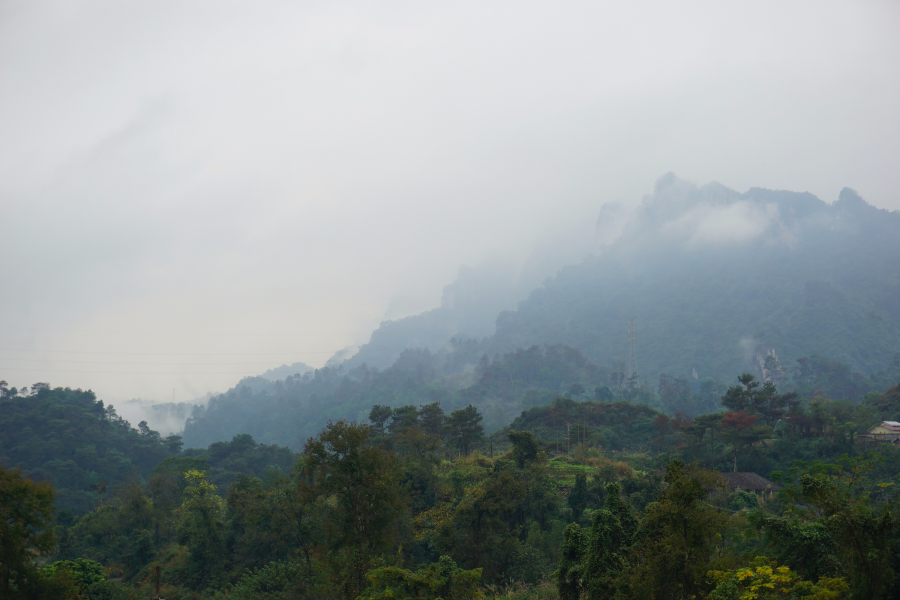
[886, 431]
[749, 482]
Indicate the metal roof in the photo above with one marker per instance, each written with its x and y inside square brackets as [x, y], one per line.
[748, 481]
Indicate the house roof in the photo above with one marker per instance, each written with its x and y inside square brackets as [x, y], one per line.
[892, 425]
[748, 481]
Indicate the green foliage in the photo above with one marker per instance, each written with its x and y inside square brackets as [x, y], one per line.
[442, 580]
[364, 481]
[386, 511]
[270, 521]
[854, 524]
[26, 517]
[579, 496]
[612, 534]
[498, 517]
[765, 580]
[282, 580]
[569, 575]
[677, 539]
[289, 411]
[201, 528]
[807, 545]
[70, 439]
[81, 578]
[615, 426]
[464, 429]
[525, 447]
[225, 461]
[887, 405]
[85, 572]
[125, 532]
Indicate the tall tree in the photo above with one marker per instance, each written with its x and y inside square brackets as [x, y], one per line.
[365, 482]
[464, 428]
[859, 517]
[677, 538]
[612, 532]
[770, 405]
[570, 572]
[379, 416]
[741, 431]
[525, 447]
[432, 418]
[742, 397]
[202, 529]
[26, 519]
[578, 497]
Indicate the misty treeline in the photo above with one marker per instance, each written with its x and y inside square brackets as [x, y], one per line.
[287, 412]
[581, 498]
[56, 435]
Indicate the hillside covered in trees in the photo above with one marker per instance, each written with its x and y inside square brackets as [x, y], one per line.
[415, 502]
[290, 410]
[286, 412]
[72, 440]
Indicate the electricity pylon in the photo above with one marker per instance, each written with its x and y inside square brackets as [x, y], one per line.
[632, 358]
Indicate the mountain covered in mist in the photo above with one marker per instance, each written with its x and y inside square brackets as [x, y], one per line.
[297, 368]
[289, 411]
[716, 280]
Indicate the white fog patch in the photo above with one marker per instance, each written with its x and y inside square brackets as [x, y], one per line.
[737, 223]
[748, 346]
[611, 223]
[165, 417]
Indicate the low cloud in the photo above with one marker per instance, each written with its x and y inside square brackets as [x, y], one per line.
[737, 223]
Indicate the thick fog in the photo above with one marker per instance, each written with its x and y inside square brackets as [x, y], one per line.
[192, 192]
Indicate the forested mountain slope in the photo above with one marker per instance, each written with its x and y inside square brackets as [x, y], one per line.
[469, 307]
[716, 279]
[289, 411]
[69, 438]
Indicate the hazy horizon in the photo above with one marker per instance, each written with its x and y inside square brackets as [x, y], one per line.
[192, 196]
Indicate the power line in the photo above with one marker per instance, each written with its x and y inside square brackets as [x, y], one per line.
[103, 362]
[377, 349]
[191, 333]
[169, 353]
[80, 372]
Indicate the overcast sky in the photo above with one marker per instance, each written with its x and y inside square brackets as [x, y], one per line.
[191, 191]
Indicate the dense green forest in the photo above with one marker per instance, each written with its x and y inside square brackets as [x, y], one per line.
[798, 276]
[413, 501]
[70, 439]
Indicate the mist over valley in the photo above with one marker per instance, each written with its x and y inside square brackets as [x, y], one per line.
[449, 301]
